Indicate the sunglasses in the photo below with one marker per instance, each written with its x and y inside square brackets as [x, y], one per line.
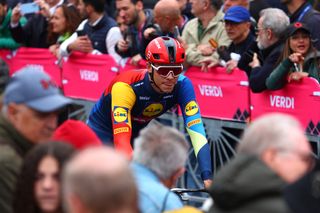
[165, 71]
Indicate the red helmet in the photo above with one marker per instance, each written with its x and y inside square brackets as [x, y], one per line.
[165, 50]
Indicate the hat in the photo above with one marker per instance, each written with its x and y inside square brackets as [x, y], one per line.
[237, 14]
[76, 133]
[293, 28]
[33, 87]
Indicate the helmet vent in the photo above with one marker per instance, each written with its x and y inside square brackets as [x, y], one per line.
[156, 56]
[171, 55]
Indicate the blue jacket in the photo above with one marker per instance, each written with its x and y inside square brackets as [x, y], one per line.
[154, 197]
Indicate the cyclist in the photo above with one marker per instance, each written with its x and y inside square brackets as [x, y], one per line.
[134, 98]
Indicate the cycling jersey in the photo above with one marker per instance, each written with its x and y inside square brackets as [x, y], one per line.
[130, 103]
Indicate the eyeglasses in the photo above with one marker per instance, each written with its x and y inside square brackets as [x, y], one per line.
[165, 71]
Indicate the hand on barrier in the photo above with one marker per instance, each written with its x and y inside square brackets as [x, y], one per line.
[208, 63]
[297, 76]
[135, 60]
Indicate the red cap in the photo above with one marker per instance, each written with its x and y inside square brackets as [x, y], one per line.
[77, 134]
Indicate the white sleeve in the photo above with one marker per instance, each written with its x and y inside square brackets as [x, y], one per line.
[113, 36]
[63, 47]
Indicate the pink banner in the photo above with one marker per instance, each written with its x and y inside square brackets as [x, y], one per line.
[300, 99]
[36, 57]
[5, 55]
[142, 64]
[85, 76]
[219, 94]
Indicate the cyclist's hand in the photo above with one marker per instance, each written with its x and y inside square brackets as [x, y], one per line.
[207, 183]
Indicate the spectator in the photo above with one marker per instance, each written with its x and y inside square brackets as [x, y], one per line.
[63, 23]
[82, 138]
[34, 32]
[6, 40]
[299, 58]
[185, 8]
[159, 158]
[137, 20]
[99, 180]
[229, 3]
[272, 153]
[197, 32]
[260, 59]
[122, 26]
[29, 116]
[38, 186]
[167, 16]
[302, 11]
[98, 32]
[237, 25]
[82, 10]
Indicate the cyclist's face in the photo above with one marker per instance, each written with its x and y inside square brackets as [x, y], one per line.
[165, 83]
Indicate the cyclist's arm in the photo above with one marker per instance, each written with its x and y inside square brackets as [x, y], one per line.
[122, 101]
[193, 124]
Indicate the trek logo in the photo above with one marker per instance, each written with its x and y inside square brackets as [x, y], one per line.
[120, 114]
[191, 108]
[153, 110]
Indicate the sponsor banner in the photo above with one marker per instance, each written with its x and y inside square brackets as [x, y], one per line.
[219, 94]
[86, 76]
[40, 58]
[300, 99]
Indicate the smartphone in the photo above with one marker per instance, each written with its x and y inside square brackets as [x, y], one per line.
[81, 33]
[29, 8]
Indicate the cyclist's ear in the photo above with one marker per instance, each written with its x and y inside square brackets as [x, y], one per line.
[149, 67]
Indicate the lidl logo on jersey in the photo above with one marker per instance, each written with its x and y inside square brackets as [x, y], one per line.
[191, 108]
[120, 114]
[153, 110]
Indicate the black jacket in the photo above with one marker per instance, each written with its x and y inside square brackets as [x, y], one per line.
[33, 34]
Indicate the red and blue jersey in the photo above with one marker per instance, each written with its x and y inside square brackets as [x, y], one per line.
[130, 103]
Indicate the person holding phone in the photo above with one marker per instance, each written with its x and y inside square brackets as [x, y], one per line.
[35, 32]
[134, 98]
[6, 40]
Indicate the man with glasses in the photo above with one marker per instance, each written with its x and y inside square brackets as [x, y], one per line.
[134, 98]
[260, 59]
[237, 25]
[29, 115]
[272, 153]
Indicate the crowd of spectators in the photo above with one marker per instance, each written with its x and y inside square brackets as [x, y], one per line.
[272, 42]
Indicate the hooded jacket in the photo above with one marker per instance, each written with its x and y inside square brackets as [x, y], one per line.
[247, 185]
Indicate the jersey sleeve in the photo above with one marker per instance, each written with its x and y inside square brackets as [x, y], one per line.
[194, 126]
[122, 101]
